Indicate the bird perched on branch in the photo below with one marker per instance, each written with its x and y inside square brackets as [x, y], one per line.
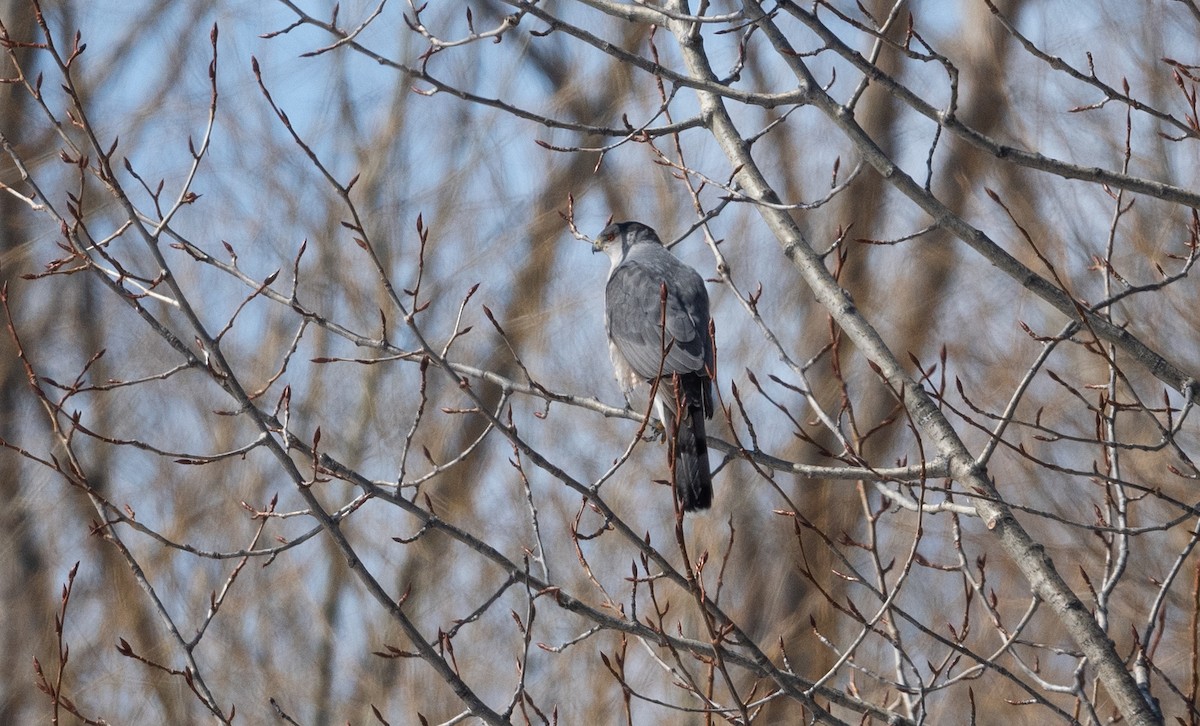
[660, 332]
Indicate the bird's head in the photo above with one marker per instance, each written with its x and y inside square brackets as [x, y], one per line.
[617, 238]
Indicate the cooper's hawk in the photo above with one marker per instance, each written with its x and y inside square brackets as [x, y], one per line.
[669, 340]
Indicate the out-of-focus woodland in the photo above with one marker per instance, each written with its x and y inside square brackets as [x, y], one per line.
[307, 414]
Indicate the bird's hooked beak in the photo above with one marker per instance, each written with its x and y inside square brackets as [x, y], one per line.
[595, 246]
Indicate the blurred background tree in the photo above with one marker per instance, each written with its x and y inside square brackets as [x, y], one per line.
[305, 363]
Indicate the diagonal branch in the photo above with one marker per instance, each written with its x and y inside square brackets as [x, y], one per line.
[1028, 555]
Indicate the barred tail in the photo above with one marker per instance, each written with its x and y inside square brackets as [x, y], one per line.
[693, 478]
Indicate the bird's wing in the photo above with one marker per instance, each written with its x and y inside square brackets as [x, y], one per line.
[635, 317]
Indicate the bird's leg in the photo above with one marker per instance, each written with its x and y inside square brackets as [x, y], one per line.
[657, 428]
